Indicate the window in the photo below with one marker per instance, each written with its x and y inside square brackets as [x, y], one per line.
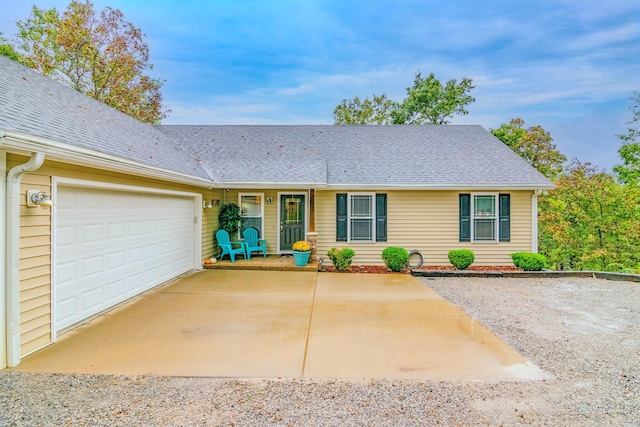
[485, 217]
[361, 217]
[484, 224]
[252, 212]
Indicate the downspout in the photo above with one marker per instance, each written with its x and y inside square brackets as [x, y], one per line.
[3, 235]
[534, 221]
[12, 254]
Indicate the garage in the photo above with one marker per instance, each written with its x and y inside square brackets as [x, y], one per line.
[113, 244]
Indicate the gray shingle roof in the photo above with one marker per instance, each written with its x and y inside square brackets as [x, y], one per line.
[340, 156]
[384, 156]
[32, 103]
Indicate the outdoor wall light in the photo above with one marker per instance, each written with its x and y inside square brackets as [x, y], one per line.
[211, 203]
[38, 198]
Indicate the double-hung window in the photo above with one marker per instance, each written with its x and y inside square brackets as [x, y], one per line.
[484, 223]
[252, 212]
[485, 217]
[361, 217]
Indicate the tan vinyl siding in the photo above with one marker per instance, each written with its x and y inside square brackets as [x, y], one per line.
[35, 239]
[210, 222]
[35, 337]
[34, 262]
[426, 221]
[35, 265]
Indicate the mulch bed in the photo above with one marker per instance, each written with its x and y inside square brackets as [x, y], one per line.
[381, 269]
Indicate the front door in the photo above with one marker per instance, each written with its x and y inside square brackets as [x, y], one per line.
[292, 220]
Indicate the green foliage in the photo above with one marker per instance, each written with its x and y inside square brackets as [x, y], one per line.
[367, 112]
[461, 258]
[99, 54]
[590, 222]
[534, 144]
[529, 261]
[395, 258]
[629, 171]
[342, 258]
[429, 102]
[229, 218]
[8, 51]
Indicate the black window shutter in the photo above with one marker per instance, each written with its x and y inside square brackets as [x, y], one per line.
[505, 217]
[465, 217]
[381, 217]
[341, 217]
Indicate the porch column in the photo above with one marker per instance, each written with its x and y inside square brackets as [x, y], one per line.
[312, 211]
[312, 236]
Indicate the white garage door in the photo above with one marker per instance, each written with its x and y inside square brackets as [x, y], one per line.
[112, 245]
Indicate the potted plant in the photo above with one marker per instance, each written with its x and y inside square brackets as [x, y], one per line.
[301, 253]
[229, 218]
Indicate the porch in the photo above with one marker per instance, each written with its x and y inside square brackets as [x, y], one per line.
[258, 262]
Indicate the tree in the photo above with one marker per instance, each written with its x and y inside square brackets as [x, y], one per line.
[589, 222]
[629, 171]
[534, 144]
[367, 112]
[8, 51]
[429, 102]
[101, 55]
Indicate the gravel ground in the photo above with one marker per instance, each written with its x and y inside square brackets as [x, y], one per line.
[585, 332]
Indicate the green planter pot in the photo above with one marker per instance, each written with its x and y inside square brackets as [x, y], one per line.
[301, 258]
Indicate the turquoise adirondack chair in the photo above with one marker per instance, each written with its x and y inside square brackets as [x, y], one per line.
[227, 245]
[252, 243]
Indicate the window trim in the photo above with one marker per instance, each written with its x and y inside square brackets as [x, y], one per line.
[496, 217]
[373, 217]
[240, 195]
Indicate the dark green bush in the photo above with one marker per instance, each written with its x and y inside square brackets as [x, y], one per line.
[529, 261]
[395, 258]
[461, 258]
[229, 218]
[341, 258]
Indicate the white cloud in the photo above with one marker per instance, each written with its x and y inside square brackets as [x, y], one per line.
[629, 32]
[298, 90]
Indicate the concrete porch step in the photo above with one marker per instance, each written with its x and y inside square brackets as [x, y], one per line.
[271, 262]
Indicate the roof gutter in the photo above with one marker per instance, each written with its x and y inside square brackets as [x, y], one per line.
[58, 151]
[271, 185]
[372, 187]
[12, 255]
[449, 187]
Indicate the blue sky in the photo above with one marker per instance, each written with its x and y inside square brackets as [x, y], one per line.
[567, 65]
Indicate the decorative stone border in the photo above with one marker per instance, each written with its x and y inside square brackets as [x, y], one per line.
[527, 274]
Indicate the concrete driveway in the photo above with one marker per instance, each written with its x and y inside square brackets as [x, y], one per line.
[267, 324]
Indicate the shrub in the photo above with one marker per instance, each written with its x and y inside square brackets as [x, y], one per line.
[342, 258]
[395, 258]
[229, 218]
[529, 261]
[461, 258]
